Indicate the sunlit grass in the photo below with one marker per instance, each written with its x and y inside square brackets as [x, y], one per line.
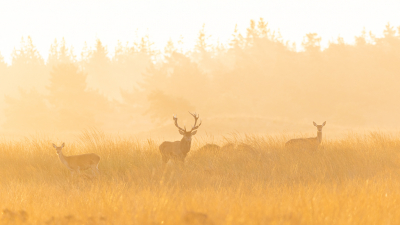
[252, 180]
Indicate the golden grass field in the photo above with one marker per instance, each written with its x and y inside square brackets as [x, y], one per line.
[252, 180]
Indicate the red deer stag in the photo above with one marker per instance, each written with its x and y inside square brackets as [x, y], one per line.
[178, 150]
[307, 143]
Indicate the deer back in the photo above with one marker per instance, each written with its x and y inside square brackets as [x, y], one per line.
[83, 161]
[302, 143]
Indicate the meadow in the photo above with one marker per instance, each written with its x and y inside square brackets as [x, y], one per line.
[252, 179]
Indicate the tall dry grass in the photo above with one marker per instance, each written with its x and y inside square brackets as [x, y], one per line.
[252, 180]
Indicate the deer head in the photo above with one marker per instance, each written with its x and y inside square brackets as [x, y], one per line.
[188, 134]
[59, 148]
[319, 127]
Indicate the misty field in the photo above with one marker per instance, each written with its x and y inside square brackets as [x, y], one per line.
[251, 180]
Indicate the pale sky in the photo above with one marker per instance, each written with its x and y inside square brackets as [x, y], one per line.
[86, 20]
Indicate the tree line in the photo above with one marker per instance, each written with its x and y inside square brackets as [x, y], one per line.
[256, 75]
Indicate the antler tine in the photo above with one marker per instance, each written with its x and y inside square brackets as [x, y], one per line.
[196, 117]
[176, 124]
[195, 127]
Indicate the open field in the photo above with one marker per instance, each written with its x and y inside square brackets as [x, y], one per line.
[253, 180]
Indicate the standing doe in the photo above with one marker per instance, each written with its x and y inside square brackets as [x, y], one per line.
[307, 143]
[179, 149]
[76, 163]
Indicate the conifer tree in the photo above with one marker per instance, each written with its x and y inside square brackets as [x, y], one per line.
[29, 112]
[311, 43]
[59, 53]
[98, 67]
[3, 76]
[169, 48]
[27, 69]
[27, 54]
[75, 106]
[3, 65]
[252, 33]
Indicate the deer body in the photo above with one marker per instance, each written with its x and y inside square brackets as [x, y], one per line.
[178, 150]
[307, 143]
[76, 163]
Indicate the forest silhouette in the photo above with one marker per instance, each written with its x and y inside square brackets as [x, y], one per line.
[255, 83]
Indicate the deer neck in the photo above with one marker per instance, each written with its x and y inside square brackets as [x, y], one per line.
[185, 145]
[319, 136]
[63, 159]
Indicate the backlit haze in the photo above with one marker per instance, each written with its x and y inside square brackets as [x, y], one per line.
[279, 81]
[110, 21]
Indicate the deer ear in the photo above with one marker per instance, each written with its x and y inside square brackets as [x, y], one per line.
[314, 123]
[63, 145]
[181, 132]
[194, 132]
[54, 145]
[324, 123]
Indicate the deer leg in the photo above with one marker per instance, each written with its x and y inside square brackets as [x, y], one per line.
[182, 162]
[94, 171]
[75, 174]
[97, 170]
[165, 160]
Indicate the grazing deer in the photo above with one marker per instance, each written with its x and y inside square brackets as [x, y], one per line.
[178, 150]
[76, 163]
[209, 147]
[307, 143]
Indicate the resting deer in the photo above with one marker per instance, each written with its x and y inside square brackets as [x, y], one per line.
[76, 163]
[179, 149]
[307, 143]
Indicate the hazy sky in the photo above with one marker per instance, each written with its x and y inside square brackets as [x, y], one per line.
[85, 20]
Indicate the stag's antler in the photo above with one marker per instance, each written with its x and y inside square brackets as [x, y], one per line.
[196, 117]
[176, 124]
